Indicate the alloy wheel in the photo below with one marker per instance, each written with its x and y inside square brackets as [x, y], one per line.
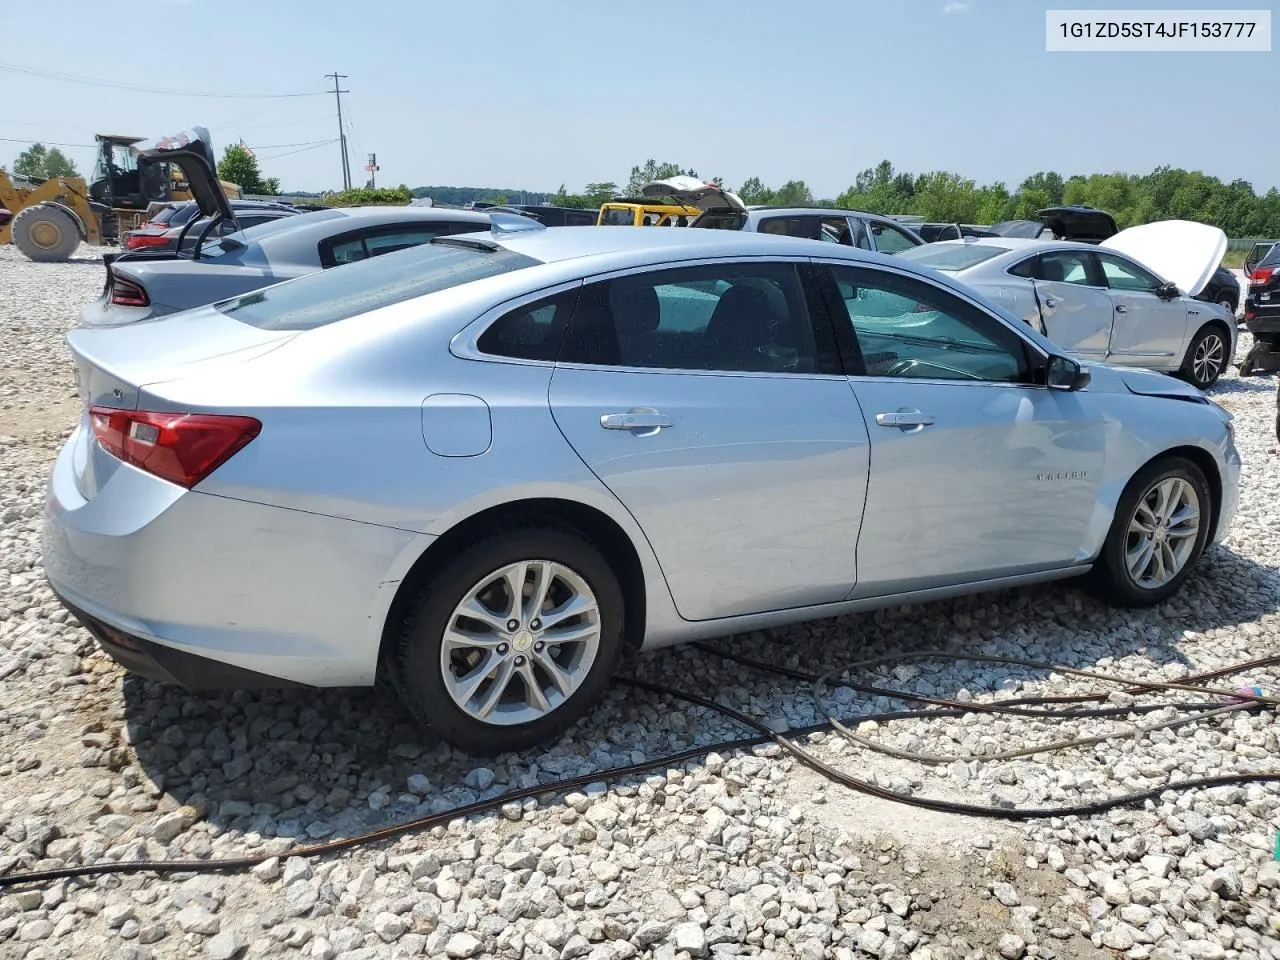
[1162, 532]
[1209, 358]
[521, 642]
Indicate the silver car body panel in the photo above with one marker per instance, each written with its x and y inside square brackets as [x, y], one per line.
[774, 499]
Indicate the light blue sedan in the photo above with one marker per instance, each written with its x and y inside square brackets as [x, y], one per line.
[484, 466]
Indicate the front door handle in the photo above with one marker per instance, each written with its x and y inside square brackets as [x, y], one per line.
[905, 419]
[1050, 301]
[1121, 308]
[636, 421]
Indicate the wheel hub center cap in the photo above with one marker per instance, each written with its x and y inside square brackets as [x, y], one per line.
[522, 641]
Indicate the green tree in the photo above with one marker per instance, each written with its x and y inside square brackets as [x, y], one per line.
[41, 163]
[652, 170]
[239, 166]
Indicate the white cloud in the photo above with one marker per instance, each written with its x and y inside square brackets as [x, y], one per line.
[958, 6]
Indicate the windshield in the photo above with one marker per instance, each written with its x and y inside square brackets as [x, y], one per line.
[961, 256]
[332, 295]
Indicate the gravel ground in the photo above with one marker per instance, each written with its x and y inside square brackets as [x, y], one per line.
[746, 854]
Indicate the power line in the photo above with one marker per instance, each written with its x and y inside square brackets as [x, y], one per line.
[47, 143]
[314, 146]
[342, 134]
[117, 85]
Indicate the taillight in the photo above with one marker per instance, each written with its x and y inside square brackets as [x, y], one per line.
[1262, 275]
[182, 448]
[126, 293]
[136, 241]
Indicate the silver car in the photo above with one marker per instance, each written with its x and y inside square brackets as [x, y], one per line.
[143, 287]
[483, 466]
[1129, 299]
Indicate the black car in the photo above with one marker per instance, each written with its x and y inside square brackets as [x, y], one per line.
[1223, 288]
[551, 216]
[1262, 304]
[1078, 223]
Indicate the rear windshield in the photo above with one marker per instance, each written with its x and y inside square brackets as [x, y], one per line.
[721, 221]
[1273, 256]
[952, 258]
[279, 224]
[332, 295]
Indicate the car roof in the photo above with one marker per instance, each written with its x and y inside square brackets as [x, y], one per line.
[554, 244]
[826, 211]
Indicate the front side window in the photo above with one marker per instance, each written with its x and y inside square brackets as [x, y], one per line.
[904, 327]
[1127, 276]
[731, 317]
[889, 239]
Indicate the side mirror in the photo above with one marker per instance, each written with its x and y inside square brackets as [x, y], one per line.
[1063, 373]
[1167, 291]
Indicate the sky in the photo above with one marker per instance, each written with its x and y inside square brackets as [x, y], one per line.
[533, 94]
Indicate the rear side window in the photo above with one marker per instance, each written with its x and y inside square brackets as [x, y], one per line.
[618, 217]
[533, 331]
[331, 295]
[730, 317]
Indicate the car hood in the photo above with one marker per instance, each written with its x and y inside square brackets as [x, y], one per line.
[1182, 251]
[1084, 224]
[192, 150]
[702, 194]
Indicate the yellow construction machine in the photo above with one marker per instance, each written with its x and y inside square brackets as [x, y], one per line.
[48, 219]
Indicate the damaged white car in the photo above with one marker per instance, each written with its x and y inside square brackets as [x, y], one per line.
[1127, 300]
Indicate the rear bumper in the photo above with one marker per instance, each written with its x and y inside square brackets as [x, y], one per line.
[155, 661]
[211, 591]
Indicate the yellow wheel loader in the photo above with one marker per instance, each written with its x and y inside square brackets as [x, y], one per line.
[49, 219]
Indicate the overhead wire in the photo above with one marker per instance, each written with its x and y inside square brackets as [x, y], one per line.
[62, 77]
[764, 734]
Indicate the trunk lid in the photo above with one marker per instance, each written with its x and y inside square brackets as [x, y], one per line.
[1083, 224]
[192, 150]
[114, 366]
[702, 194]
[1182, 251]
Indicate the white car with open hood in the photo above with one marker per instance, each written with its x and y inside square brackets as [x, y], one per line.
[1127, 300]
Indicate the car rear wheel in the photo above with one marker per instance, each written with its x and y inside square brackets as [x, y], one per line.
[513, 641]
[1206, 357]
[1160, 529]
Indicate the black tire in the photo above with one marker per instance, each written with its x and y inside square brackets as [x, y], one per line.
[417, 671]
[46, 233]
[1225, 303]
[1110, 577]
[1206, 375]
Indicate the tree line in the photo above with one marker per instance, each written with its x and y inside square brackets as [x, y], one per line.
[1167, 193]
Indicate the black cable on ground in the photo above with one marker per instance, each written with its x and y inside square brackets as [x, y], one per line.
[765, 735]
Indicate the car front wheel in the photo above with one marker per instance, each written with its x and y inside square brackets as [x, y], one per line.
[1206, 357]
[513, 641]
[1161, 525]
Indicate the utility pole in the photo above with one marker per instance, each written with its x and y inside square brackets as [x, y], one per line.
[373, 171]
[342, 133]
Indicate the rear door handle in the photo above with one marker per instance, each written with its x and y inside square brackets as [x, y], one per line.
[1121, 308]
[1050, 301]
[636, 421]
[904, 419]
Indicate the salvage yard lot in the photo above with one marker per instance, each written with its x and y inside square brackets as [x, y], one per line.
[743, 854]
